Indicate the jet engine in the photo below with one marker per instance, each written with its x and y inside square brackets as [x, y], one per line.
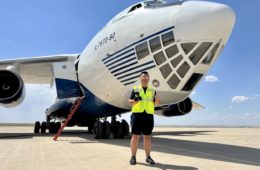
[12, 89]
[178, 109]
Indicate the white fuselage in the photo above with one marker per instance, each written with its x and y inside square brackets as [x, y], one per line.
[109, 66]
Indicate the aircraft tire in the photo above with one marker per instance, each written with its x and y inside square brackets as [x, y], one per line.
[106, 130]
[98, 130]
[51, 127]
[118, 130]
[91, 127]
[57, 126]
[43, 127]
[37, 126]
[125, 127]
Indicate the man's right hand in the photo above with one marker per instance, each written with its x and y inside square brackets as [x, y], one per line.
[133, 102]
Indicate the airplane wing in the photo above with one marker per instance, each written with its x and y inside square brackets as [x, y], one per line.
[37, 70]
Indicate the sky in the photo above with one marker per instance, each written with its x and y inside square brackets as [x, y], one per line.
[230, 92]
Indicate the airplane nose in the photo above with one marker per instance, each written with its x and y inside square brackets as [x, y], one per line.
[204, 20]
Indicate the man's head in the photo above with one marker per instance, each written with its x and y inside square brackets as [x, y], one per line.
[144, 78]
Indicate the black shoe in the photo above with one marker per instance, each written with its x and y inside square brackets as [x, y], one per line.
[149, 160]
[133, 160]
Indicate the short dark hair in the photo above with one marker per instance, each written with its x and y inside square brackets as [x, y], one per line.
[144, 72]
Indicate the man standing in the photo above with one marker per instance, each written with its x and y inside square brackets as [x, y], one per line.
[142, 99]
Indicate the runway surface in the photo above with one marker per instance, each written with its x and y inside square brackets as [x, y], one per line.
[175, 148]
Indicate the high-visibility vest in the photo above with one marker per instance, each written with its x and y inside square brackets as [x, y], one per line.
[147, 103]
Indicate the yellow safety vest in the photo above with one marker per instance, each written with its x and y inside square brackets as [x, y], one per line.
[147, 103]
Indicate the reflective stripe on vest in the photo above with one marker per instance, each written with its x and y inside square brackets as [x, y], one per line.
[147, 103]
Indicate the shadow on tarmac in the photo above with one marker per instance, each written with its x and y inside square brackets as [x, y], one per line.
[212, 151]
[167, 166]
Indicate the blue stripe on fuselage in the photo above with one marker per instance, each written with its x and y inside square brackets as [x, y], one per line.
[135, 43]
[92, 106]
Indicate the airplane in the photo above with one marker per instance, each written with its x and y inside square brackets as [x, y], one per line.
[175, 42]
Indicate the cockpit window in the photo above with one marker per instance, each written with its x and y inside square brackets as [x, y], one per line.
[161, 3]
[135, 8]
[211, 55]
[142, 50]
[168, 38]
[153, 2]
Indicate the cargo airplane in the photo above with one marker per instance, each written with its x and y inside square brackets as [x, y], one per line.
[176, 42]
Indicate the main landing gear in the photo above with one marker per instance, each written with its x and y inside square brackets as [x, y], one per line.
[53, 127]
[103, 130]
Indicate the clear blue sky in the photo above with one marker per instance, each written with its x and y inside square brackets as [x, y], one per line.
[34, 28]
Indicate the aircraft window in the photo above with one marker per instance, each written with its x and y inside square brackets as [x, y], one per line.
[166, 70]
[172, 51]
[155, 44]
[142, 50]
[153, 2]
[168, 38]
[199, 52]
[184, 68]
[192, 82]
[159, 58]
[135, 7]
[173, 82]
[176, 61]
[187, 47]
[211, 55]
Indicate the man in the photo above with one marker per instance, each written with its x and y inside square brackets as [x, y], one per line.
[142, 99]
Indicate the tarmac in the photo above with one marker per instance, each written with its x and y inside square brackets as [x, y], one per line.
[178, 148]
